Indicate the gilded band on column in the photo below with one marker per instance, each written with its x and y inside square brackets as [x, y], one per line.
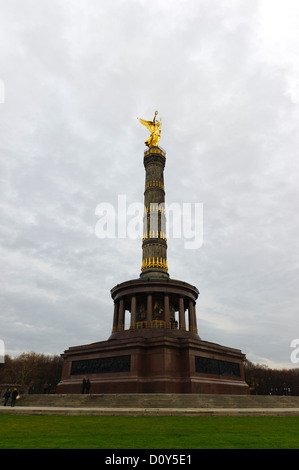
[154, 184]
[154, 262]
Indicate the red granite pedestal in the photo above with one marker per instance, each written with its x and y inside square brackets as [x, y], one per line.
[165, 362]
[160, 352]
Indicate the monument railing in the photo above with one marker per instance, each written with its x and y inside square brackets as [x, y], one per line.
[153, 324]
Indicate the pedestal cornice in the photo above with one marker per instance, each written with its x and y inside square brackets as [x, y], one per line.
[146, 285]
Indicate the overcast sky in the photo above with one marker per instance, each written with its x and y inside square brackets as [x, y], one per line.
[224, 76]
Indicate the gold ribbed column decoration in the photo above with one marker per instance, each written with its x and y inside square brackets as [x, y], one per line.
[154, 242]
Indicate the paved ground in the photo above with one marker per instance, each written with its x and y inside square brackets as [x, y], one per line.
[52, 410]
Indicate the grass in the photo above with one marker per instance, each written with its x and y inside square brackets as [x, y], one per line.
[123, 432]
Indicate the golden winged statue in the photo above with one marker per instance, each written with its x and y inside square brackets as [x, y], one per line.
[155, 129]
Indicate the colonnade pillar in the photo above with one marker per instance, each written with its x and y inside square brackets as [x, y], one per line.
[133, 311]
[195, 321]
[115, 315]
[182, 322]
[166, 310]
[192, 316]
[149, 310]
[121, 321]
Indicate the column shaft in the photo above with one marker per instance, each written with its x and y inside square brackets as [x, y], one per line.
[195, 320]
[115, 316]
[182, 324]
[133, 311]
[166, 311]
[149, 311]
[191, 316]
[121, 322]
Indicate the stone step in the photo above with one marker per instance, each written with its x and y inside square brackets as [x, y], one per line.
[160, 401]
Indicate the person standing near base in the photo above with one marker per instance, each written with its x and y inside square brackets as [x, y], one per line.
[83, 385]
[14, 395]
[6, 396]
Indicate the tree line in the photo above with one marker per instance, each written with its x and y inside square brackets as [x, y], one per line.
[263, 380]
[29, 372]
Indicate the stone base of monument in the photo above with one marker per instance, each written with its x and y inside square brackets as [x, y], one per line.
[154, 361]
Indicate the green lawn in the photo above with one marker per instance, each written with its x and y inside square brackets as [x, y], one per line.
[122, 432]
